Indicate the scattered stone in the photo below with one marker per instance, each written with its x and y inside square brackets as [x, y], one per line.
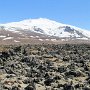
[45, 67]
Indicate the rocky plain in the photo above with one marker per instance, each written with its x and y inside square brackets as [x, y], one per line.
[45, 67]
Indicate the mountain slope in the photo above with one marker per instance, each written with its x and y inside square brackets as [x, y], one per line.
[44, 28]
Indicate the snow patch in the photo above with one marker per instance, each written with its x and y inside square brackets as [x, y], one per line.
[40, 39]
[37, 36]
[47, 39]
[7, 38]
[62, 39]
[2, 36]
[8, 35]
[83, 38]
[53, 40]
[32, 36]
[16, 41]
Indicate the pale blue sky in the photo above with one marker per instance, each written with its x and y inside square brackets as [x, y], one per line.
[73, 12]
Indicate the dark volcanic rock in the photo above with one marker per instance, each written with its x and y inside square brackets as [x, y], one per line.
[30, 87]
[45, 67]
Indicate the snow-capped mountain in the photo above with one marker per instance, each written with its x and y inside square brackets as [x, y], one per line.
[44, 27]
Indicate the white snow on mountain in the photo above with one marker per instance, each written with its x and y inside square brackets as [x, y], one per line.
[47, 27]
[2, 36]
[16, 41]
[8, 38]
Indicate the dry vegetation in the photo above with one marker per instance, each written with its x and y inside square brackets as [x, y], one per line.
[45, 67]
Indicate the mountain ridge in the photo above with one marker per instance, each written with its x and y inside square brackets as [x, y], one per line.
[46, 28]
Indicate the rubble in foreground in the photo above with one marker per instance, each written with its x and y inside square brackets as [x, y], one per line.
[45, 67]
